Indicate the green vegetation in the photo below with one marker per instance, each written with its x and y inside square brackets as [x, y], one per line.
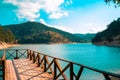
[33, 32]
[110, 35]
[6, 35]
[114, 1]
[87, 37]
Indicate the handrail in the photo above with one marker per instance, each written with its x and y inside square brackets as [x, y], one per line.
[105, 73]
[94, 69]
[3, 64]
[43, 61]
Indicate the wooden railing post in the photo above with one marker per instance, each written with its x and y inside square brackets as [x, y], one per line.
[55, 69]
[39, 59]
[79, 73]
[60, 69]
[33, 55]
[106, 77]
[16, 55]
[28, 53]
[45, 64]
[4, 55]
[71, 71]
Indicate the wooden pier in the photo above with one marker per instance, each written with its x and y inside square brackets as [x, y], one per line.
[25, 64]
[24, 69]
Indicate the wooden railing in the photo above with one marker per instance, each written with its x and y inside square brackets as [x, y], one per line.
[54, 66]
[2, 66]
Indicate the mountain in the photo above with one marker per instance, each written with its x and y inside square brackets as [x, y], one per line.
[109, 36]
[87, 37]
[34, 32]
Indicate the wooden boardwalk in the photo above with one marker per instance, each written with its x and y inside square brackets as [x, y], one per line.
[24, 69]
[9, 71]
[23, 65]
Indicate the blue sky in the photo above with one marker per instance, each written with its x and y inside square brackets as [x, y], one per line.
[75, 16]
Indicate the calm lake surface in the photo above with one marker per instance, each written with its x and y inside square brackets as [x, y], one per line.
[100, 57]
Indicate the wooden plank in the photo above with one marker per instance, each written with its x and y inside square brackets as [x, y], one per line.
[114, 78]
[9, 71]
[29, 71]
[26, 70]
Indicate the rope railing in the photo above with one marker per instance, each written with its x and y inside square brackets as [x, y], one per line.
[53, 65]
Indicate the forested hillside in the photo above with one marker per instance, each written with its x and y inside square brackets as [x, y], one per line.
[87, 37]
[6, 35]
[109, 36]
[34, 32]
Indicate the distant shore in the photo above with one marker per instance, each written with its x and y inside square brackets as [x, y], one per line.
[107, 44]
[4, 45]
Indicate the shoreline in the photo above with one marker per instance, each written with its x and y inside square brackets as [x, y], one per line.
[53, 43]
[106, 44]
[4, 45]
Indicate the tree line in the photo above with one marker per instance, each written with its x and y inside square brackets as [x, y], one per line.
[35, 32]
[113, 30]
[6, 35]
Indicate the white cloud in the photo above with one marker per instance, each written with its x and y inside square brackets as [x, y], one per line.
[94, 28]
[57, 15]
[30, 9]
[52, 5]
[28, 14]
[68, 2]
[71, 2]
[43, 21]
[64, 28]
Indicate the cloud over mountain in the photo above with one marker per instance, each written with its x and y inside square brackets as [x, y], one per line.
[30, 9]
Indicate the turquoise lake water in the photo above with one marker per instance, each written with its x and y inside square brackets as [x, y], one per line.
[101, 57]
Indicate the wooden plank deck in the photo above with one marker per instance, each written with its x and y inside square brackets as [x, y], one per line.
[25, 70]
[9, 71]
